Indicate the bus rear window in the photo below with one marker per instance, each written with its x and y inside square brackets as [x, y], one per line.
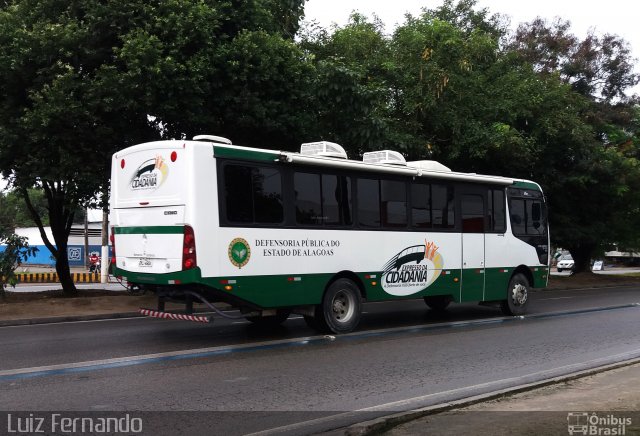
[253, 194]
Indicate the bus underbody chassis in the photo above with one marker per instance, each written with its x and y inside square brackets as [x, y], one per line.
[339, 312]
[209, 298]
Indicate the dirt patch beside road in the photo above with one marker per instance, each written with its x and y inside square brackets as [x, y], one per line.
[53, 304]
[591, 280]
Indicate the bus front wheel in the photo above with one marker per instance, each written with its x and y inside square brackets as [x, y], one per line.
[517, 296]
[341, 308]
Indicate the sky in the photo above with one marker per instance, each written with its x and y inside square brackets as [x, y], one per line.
[618, 17]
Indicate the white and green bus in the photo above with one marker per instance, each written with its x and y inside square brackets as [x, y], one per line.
[315, 233]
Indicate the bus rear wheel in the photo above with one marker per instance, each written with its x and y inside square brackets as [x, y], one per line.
[341, 308]
[517, 296]
[271, 320]
[438, 303]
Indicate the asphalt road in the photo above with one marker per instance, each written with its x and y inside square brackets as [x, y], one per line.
[291, 381]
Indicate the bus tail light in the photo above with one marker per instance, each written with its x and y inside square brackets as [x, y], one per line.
[189, 249]
[112, 238]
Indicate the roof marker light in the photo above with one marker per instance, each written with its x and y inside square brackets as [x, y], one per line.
[174, 156]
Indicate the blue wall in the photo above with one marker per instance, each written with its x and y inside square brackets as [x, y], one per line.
[75, 253]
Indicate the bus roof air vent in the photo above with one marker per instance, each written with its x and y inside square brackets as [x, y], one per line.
[384, 157]
[323, 148]
[212, 138]
[428, 165]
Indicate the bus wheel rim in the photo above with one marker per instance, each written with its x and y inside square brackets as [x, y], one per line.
[343, 306]
[519, 294]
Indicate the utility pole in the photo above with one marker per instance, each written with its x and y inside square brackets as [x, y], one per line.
[104, 261]
[86, 238]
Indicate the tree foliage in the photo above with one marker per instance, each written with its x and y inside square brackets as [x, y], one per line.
[15, 251]
[597, 66]
[14, 213]
[453, 85]
[83, 79]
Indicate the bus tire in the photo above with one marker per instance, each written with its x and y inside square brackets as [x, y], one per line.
[438, 303]
[271, 320]
[517, 296]
[341, 308]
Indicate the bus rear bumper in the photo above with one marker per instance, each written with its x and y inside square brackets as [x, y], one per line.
[174, 278]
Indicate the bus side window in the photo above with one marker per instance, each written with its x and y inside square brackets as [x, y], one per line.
[238, 193]
[307, 192]
[518, 217]
[393, 203]
[267, 195]
[421, 206]
[253, 194]
[368, 202]
[336, 199]
[472, 213]
[442, 203]
[496, 211]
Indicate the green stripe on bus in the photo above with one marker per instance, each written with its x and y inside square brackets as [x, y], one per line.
[526, 185]
[189, 276]
[233, 153]
[270, 291]
[153, 230]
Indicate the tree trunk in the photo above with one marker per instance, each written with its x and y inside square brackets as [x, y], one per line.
[64, 274]
[582, 257]
[61, 236]
[60, 218]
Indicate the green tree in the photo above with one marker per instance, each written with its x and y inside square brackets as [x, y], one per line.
[15, 250]
[353, 85]
[451, 84]
[589, 160]
[14, 213]
[600, 67]
[83, 79]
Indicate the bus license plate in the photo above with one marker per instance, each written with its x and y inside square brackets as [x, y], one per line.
[144, 263]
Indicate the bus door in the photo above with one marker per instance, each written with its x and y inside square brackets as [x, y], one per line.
[473, 211]
[496, 246]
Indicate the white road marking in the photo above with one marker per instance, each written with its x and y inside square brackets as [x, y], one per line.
[556, 298]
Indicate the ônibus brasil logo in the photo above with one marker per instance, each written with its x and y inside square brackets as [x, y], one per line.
[239, 252]
[412, 270]
[150, 175]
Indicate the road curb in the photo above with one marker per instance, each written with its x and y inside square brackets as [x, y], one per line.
[586, 288]
[51, 277]
[378, 425]
[93, 317]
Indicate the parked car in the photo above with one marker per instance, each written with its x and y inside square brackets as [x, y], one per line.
[565, 262]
